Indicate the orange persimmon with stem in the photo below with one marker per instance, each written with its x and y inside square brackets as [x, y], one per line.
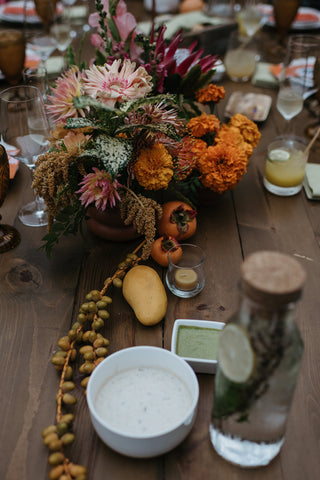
[161, 247]
[178, 220]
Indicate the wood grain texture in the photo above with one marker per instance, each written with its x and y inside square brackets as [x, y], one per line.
[39, 300]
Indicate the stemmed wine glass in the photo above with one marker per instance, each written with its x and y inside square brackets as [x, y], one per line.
[24, 126]
[61, 33]
[42, 43]
[296, 79]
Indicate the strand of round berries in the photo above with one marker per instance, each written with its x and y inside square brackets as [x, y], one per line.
[94, 349]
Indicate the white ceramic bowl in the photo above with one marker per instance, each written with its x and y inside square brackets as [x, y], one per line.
[147, 445]
[199, 364]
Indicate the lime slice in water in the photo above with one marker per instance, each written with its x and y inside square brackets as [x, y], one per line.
[236, 356]
[279, 155]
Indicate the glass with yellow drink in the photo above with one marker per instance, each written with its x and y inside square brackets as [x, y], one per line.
[285, 165]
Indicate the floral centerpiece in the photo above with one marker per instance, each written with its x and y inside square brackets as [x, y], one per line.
[129, 127]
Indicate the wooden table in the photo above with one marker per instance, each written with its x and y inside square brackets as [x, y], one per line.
[39, 299]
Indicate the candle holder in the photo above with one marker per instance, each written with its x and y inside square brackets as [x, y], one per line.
[185, 277]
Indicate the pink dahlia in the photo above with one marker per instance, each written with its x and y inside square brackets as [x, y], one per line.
[68, 87]
[118, 82]
[100, 189]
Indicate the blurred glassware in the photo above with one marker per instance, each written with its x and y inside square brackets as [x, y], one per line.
[250, 18]
[60, 32]
[43, 45]
[46, 10]
[12, 55]
[220, 8]
[162, 6]
[37, 77]
[9, 236]
[24, 125]
[284, 12]
[296, 80]
[240, 59]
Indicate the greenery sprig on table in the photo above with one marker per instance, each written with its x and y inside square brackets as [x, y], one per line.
[83, 340]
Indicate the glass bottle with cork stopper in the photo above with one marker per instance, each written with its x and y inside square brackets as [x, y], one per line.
[260, 351]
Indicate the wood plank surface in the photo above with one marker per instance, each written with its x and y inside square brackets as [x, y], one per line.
[39, 300]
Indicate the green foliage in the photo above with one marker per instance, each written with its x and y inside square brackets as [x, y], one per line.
[66, 222]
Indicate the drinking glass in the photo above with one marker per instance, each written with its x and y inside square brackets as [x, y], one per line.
[38, 77]
[12, 55]
[43, 45]
[9, 236]
[24, 125]
[61, 33]
[296, 78]
[250, 18]
[240, 59]
[46, 11]
[284, 12]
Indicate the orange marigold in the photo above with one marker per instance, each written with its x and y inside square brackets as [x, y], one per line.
[231, 136]
[247, 128]
[211, 93]
[154, 167]
[222, 167]
[203, 124]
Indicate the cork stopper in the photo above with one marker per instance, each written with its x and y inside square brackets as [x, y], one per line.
[272, 278]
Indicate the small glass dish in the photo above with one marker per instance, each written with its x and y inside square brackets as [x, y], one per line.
[196, 341]
[186, 278]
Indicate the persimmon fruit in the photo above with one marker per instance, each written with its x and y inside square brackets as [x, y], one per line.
[178, 220]
[161, 247]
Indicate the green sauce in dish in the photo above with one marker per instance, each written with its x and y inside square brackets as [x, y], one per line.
[197, 342]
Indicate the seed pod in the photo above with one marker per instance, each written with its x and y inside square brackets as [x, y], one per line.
[86, 368]
[77, 470]
[64, 477]
[84, 382]
[55, 445]
[51, 437]
[89, 356]
[101, 305]
[62, 428]
[72, 334]
[106, 299]
[83, 476]
[67, 438]
[89, 297]
[117, 282]
[69, 373]
[48, 429]
[67, 418]
[92, 336]
[107, 280]
[58, 361]
[85, 336]
[85, 349]
[68, 386]
[84, 307]
[99, 360]
[69, 399]
[60, 353]
[96, 325]
[56, 472]
[64, 343]
[75, 326]
[133, 256]
[92, 307]
[101, 352]
[73, 355]
[79, 337]
[90, 316]
[56, 458]
[104, 314]
[82, 318]
[98, 343]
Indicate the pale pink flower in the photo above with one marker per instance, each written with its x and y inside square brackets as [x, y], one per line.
[75, 140]
[117, 82]
[68, 87]
[100, 189]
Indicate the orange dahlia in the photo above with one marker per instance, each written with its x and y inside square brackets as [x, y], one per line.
[247, 128]
[222, 167]
[211, 93]
[154, 167]
[203, 124]
[231, 136]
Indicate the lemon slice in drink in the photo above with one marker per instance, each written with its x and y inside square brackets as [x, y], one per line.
[279, 155]
[236, 356]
